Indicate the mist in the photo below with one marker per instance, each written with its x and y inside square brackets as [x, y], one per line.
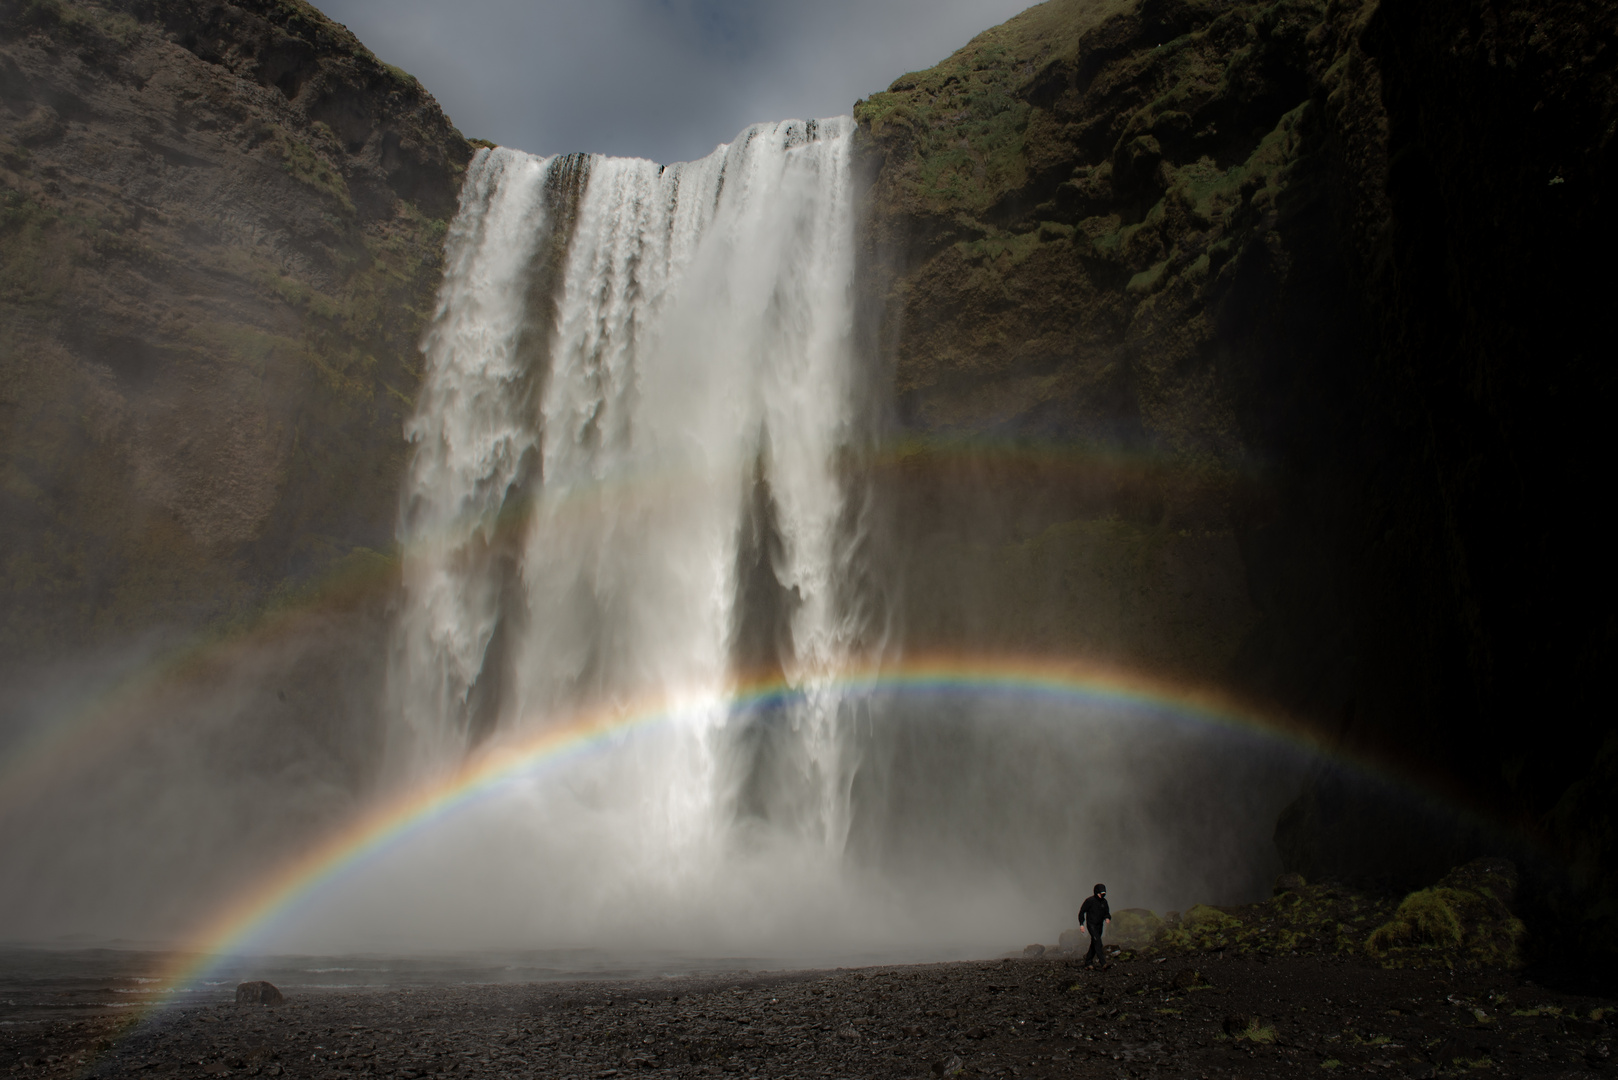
[976, 824]
[625, 487]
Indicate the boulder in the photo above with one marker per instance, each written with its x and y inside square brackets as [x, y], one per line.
[1077, 940]
[1133, 927]
[1033, 952]
[1201, 917]
[258, 993]
[1463, 921]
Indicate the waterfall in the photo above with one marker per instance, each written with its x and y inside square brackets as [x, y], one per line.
[637, 384]
[638, 406]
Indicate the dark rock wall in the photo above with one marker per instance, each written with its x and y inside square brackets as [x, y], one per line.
[220, 235]
[1310, 295]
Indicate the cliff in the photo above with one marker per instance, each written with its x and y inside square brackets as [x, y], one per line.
[220, 233]
[1307, 294]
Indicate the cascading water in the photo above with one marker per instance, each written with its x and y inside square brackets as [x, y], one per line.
[637, 385]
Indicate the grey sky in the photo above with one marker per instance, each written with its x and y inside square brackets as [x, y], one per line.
[664, 79]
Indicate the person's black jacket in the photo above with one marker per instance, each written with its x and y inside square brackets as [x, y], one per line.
[1094, 912]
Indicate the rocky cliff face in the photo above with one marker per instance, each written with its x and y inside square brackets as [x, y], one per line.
[220, 235]
[220, 232]
[1303, 292]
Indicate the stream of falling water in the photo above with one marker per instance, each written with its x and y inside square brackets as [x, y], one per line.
[637, 383]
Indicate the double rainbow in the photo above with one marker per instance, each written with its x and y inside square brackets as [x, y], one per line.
[1068, 683]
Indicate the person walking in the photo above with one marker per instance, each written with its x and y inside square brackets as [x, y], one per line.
[1094, 915]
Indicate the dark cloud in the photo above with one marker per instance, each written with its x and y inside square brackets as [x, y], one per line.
[664, 79]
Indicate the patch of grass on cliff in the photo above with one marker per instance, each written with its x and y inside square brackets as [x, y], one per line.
[305, 164]
[400, 75]
[967, 132]
[1004, 249]
[963, 124]
[1219, 197]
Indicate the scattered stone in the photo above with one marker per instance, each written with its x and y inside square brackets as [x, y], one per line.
[949, 1066]
[848, 1031]
[258, 993]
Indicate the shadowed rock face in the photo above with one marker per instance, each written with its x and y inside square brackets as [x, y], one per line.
[1302, 293]
[220, 234]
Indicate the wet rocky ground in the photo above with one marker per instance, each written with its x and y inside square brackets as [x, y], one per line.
[1208, 1015]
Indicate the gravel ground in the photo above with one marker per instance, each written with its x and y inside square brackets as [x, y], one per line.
[1196, 1016]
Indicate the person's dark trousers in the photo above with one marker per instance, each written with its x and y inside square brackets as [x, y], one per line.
[1095, 955]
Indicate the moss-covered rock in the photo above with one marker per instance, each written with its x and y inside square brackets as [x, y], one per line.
[1308, 920]
[1133, 928]
[1464, 921]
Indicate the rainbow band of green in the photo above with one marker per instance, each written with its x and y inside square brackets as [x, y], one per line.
[238, 923]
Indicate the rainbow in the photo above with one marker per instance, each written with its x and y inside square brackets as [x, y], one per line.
[36, 761]
[234, 927]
